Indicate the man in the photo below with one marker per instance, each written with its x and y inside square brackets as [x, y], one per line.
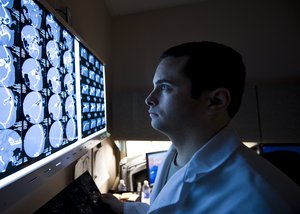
[198, 88]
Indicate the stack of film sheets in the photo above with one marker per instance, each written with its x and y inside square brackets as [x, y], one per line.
[81, 196]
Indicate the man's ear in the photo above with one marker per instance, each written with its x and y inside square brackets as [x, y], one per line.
[219, 99]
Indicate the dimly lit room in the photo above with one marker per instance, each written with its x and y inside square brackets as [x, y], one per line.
[77, 85]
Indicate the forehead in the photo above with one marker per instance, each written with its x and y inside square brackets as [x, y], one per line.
[171, 69]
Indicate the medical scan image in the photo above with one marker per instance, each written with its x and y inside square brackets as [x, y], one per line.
[99, 121]
[6, 35]
[97, 78]
[93, 123]
[70, 106]
[97, 64]
[84, 89]
[69, 84]
[93, 107]
[68, 61]
[54, 80]
[98, 107]
[34, 141]
[91, 59]
[31, 41]
[7, 3]
[92, 75]
[98, 92]
[68, 40]
[8, 106]
[83, 53]
[85, 125]
[84, 71]
[4, 15]
[53, 53]
[71, 130]
[10, 148]
[32, 74]
[7, 69]
[55, 107]
[56, 134]
[33, 107]
[92, 91]
[53, 27]
[32, 13]
[85, 107]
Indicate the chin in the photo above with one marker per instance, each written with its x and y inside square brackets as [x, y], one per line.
[155, 126]
[159, 127]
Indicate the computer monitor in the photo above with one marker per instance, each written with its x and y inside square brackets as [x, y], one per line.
[265, 148]
[153, 160]
[285, 156]
[52, 88]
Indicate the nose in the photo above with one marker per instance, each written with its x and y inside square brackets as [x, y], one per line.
[151, 100]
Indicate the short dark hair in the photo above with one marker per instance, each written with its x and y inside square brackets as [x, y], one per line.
[211, 65]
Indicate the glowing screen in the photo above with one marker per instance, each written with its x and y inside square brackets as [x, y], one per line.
[38, 98]
[153, 160]
[92, 93]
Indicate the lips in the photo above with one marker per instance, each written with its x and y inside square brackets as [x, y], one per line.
[153, 114]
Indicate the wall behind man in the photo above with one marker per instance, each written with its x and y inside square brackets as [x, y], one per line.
[265, 32]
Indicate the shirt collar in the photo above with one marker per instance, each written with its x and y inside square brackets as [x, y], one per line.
[215, 152]
[212, 154]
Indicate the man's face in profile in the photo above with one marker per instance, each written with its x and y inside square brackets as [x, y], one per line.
[171, 106]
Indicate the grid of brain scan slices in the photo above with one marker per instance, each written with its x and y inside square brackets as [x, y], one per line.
[37, 85]
[92, 93]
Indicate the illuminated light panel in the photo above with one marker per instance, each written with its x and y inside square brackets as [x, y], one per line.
[42, 69]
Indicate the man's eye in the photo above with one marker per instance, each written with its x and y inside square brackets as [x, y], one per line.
[165, 87]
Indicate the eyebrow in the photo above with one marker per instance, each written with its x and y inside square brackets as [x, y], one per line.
[163, 81]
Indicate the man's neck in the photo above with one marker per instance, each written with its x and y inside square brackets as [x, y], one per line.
[187, 145]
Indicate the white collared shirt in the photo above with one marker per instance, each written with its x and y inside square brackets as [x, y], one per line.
[223, 176]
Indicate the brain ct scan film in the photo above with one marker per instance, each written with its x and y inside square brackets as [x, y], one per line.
[37, 85]
[92, 93]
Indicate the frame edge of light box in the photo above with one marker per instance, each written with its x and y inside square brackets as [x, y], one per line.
[18, 189]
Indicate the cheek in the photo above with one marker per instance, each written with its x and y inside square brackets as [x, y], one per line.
[181, 109]
[192, 108]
